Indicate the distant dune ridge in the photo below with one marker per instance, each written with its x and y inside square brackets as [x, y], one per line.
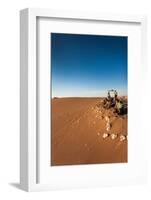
[84, 132]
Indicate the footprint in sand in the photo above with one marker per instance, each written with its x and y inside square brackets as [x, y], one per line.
[78, 121]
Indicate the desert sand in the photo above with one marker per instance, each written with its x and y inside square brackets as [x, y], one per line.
[79, 133]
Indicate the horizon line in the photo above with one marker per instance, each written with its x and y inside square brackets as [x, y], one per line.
[85, 96]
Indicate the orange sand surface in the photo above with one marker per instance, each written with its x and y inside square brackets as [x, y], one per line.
[77, 129]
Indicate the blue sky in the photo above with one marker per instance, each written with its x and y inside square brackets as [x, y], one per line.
[88, 65]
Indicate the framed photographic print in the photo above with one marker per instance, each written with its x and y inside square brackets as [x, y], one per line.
[81, 80]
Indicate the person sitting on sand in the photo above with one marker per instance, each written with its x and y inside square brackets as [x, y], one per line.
[108, 96]
[115, 94]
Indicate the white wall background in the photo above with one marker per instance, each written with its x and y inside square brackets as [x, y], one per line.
[9, 98]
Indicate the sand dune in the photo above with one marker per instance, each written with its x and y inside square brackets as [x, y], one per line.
[78, 125]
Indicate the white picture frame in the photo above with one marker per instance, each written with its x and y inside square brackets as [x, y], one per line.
[29, 84]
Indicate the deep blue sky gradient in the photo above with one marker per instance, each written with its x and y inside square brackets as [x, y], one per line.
[88, 65]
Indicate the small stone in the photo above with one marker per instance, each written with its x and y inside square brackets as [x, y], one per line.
[105, 135]
[108, 126]
[122, 138]
[98, 134]
[107, 118]
[113, 136]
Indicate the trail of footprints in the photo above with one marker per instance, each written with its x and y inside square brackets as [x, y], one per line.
[113, 136]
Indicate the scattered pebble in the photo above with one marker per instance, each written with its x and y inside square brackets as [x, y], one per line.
[105, 135]
[108, 128]
[122, 138]
[108, 125]
[113, 136]
[98, 134]
[107, 118]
